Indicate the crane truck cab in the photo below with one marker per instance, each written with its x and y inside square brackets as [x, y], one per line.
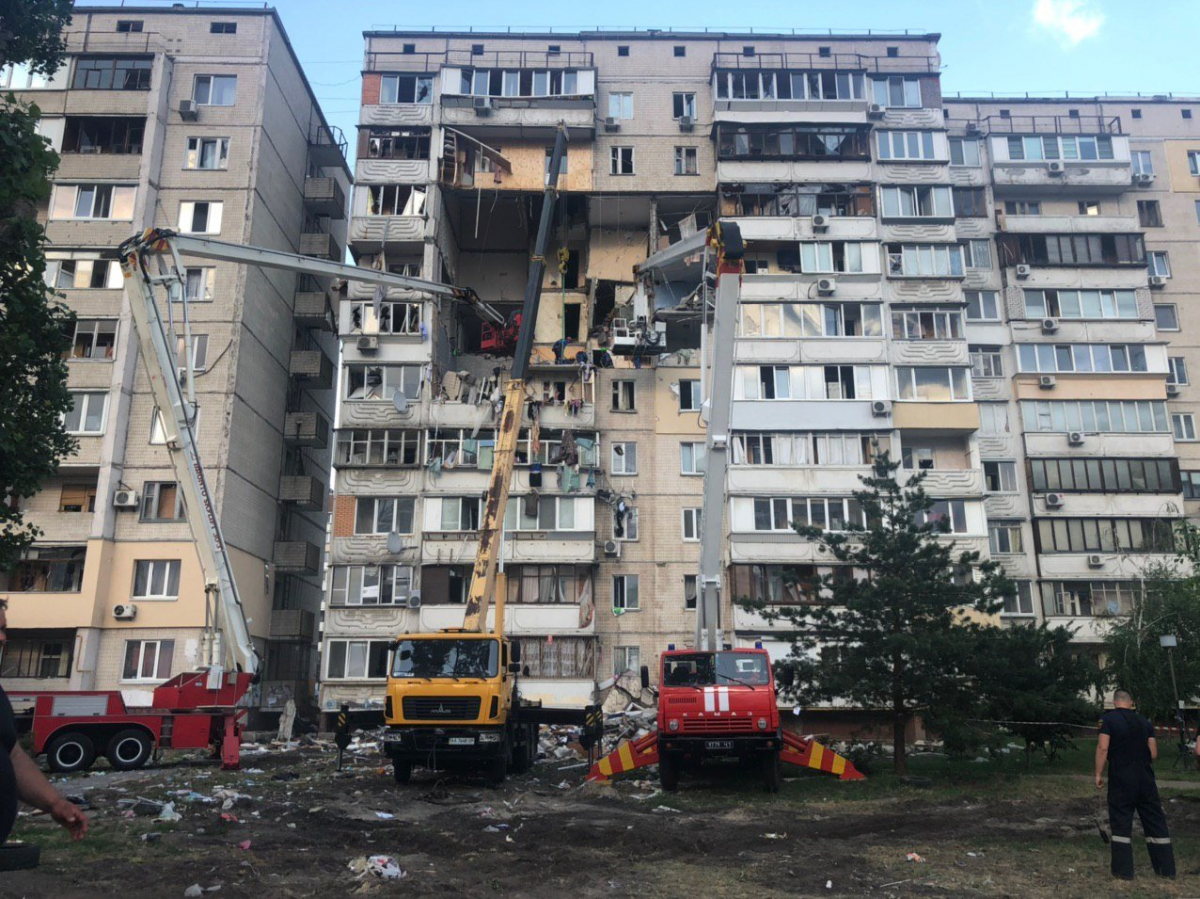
[718, 704]
[452, 703]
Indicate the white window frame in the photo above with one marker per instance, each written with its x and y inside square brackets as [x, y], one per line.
[621, 584]
[960, 386]
[209, 82]
[90, 397]
[1096, 416]
[685, 158]
[214, 213]
[80, 268]
[158, 660]
[1006, 474]
[632, 531]
[906, 146]
[348, 584]
[1183, 426]
[620, 105]
[401, 506]
[983, 300]
[462, 501]
[626, 658]
[928, 260]
[693, 456]
[624, 395]
[1142, 162]
[1006, 532]
[909, 87]
[994, 414]
[619, 464]
[91, 329]
[152, 497]
[165, 570]
[1177, 371]
[346, 674]
[121, 197]
[1174, 313]
[689, 389]
[194, 154]
[689, 520]
[1082, 305]
[686, 101]
[970, 158]
[916, 201]
[616, 159]
[1159, 263]
[405, 379]
[691, 583]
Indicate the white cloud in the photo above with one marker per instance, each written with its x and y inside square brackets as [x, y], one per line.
[1067, 21]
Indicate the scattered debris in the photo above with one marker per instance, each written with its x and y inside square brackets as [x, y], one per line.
[665, 808]
[244, 845]
[384, 816]
[913, 857]
[382, 866]
[151, 837]
[142, 808]
[168, 814]
[775, 836]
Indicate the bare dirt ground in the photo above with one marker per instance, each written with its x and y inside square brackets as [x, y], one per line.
[301, 829]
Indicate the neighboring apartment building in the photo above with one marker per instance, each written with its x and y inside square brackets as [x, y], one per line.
[199, 120]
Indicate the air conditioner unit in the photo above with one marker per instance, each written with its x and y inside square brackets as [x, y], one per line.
[1047, 382]
[880, 408]
[1095, 560]
[1024, 271]
[188, 110]
[973, 128]
[368, 343]
[876, 111]
[126, 611]
[611, 124]
[826, 286]
[125, 499]
[414, 601]
[686, 123]
[612, 548]
[1056, 168]
[1075, 438]
[1049, 325]
[1054, 500]
[1158, 281]
[1172, 390]
[1144, 178]
[483, 106]
[820, 222]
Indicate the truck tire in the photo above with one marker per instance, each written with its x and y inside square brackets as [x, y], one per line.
[71, 751]
[772, 769]
[524, 749]
[497, 768]
[129, 749]
[401, 771]
[668, 772]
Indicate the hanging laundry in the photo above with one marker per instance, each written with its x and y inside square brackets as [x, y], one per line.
[535, 475]
[530, 503]
[435, 467]
[620, 510]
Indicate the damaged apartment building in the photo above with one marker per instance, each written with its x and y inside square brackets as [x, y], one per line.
[966, 286]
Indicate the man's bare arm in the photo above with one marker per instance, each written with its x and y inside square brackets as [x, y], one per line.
[34, 789]
[1101, 758]
[1153, 743]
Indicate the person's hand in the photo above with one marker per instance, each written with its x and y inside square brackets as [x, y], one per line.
[71, 817]
[1099, 782]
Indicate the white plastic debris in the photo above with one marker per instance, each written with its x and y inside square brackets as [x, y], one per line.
[169, 814]
[384, 866]
[665, 808]
[384, 816]
[193, 891]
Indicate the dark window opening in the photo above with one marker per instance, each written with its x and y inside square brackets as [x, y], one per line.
[571, 318]
[223, 28]
[409, 49]
[622, 50]
[680, 51]
[87, 134]
[129, 27]
[893, 52]
[825, 52]
[477, 49]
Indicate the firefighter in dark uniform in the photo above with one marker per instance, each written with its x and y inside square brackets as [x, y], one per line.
[1127, 743]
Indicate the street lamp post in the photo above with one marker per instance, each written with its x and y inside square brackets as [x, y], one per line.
[1169, 642]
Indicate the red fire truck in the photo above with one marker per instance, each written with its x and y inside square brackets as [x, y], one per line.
[73, 728]
[717, 704]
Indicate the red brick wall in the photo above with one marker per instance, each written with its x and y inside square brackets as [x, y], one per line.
[343, 516]
[370, 93]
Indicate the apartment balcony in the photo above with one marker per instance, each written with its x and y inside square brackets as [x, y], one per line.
[930, 352]
[303, 492]
[306, 429]
[324, 196]
[399, 233]
[1101, 566]
[105, 103]
[312, 368]
[393, 171]
[813, 351]
[296, 557]
[549, 88]
[566, 619]
[794, 228]
[559, 418]
[1109, 505]
[292, 624]
[805, 480]
[1067, 224]
[953, 484]
[535, 547]
[320, 245]
[313, 309]
[943, 418]
[522, 117]
[327, 146]
[768, 415]
[1057, 444]
[746, 620]
[399, 114]
[98, 167]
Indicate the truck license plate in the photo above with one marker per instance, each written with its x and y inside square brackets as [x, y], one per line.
[718, 744]
[462, 741]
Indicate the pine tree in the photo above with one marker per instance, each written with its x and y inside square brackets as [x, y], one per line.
[897, 623]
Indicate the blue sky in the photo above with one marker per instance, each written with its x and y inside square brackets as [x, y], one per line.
[1040, 46]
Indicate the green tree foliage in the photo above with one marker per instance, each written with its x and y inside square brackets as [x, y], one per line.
[898, 632]
[1030, 678]
[33, 338]
[1136, 661]
[31, 31]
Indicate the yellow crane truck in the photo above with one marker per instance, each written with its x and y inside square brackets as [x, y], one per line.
[453, 697]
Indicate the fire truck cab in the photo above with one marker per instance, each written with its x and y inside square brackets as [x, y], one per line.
[718, 704]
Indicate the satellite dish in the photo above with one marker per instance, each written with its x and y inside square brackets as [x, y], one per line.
[395, 543]
[400, 401]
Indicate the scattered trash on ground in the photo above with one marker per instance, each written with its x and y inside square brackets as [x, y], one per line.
[913, 857]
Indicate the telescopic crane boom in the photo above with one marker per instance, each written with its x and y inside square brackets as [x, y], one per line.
[177, 408]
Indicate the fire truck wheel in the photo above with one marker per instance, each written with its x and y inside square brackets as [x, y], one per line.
[72, 751]
[402, 771]
[668, 772]
[772, 772]
[129, 749]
